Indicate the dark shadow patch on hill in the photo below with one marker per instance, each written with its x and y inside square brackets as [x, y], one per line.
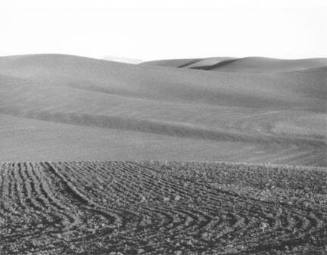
[215, 66]
[165, 128]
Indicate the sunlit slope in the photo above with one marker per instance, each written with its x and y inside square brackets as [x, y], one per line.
[166, 113]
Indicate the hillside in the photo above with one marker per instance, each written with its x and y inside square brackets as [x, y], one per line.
[247, 65]
[60, 107]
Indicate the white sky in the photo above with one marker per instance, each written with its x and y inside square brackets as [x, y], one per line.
[153, 29]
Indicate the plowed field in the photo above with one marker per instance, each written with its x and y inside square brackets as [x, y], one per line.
[161, 208]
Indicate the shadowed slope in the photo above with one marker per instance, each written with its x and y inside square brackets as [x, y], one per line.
[261, 114]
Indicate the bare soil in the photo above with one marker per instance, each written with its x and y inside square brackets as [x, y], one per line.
[150, 207]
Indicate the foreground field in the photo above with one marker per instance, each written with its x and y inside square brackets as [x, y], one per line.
[161, 208]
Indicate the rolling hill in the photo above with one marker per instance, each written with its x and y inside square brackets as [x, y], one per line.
[247, 65]
[258, 110]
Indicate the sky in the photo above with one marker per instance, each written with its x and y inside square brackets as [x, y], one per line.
[155, 29]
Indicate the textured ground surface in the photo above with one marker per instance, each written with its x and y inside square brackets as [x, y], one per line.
[161, 208]
[60, 108]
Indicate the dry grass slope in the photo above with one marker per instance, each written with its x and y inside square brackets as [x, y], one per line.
[259, 110]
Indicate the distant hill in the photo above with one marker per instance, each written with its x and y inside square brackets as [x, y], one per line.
[249, 64]
[61, 107]
[123, 60]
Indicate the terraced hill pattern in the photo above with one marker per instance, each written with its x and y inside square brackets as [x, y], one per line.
[92, 152]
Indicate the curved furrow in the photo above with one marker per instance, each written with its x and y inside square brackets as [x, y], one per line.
[283, 234]
[150, 222]
[24, 192]
[67, 211]
[9, 214]
[157, 188]
[126, 186]
[289, 222]
[233, 226]
[161, 216]
[88, 180]
[8, 204]
[34, 207]
[92, 221]
[32, 195]
[115, 176]
[238, 223]
[94, 183]
[80, 199]
[288, 225]
[5, 201]
[182, 219]
[90, 191]
[55, 189]
[36, 198]
[307, 222]
[179, 217]
[216, 196]
[62, 221]
[291, 227]
[191, 219]
[200, 220]
[300, 223]
[174, 223]
[43, 195]
[265, 215]
[126, 216]
[29, 213]
[13, 196]
[132, 182]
